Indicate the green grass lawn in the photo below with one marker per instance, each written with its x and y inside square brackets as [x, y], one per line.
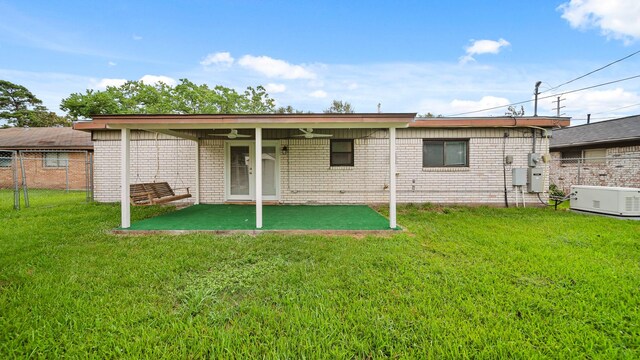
[460, 282]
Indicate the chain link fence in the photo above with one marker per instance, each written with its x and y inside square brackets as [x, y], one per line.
[622, 171]
[31, 177]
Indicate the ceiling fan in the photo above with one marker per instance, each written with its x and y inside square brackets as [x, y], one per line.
[233, 133]
[309, 134]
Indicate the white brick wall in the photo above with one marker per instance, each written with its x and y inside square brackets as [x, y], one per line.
[305, 174]
[150, 160]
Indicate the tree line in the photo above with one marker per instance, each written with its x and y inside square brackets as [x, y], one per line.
[19, 107]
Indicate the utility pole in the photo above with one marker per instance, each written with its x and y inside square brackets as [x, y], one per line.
[536, 93]
[558, 107]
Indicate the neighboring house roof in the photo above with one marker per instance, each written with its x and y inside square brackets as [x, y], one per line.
[623, 130]
[51, 138]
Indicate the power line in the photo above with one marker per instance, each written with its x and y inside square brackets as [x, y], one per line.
[548, 96]
[594, 71]
[620, 108]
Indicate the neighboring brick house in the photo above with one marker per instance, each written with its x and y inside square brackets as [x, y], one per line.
[52, 157]
[605, 153]
[440, 160]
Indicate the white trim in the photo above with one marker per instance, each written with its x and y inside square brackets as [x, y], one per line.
[392, 178]
[258, 177]
[125, 207]
[197, 166]
[252, 184]
[227, 170]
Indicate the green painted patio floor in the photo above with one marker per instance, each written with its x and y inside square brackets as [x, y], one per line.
[278, 217]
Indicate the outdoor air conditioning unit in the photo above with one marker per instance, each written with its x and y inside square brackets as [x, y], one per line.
[617, 201]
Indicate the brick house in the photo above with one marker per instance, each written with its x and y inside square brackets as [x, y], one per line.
[317, 158]
[605, 153]
[53, 158]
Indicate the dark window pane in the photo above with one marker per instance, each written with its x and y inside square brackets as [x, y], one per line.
[5, 159]
[455, 153]
[341, 152]
[342, 159]
[433, 154]
[341, 146]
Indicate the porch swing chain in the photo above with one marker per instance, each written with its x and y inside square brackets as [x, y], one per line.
[137, 145]
[155, 177]
[178, 177]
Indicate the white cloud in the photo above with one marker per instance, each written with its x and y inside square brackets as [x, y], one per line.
[275, 68]
[352, 86]
[154, 79]
[219, 58]
[483, 47]
[136, 37]
[112, 63]
[485, 102]
[600, 102]
[103, 83]
[275, 88]
[616, 19]
[319, 94]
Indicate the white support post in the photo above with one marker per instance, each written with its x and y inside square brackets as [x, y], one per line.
[258, 178]
[125, 160]
[392, 178]
[197, 165]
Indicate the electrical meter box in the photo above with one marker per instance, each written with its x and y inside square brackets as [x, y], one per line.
[535, 180]
[534, 159]
[518, 177]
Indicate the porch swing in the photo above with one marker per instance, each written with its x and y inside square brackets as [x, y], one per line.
[155, 193]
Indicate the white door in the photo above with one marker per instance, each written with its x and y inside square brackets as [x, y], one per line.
[240, 174]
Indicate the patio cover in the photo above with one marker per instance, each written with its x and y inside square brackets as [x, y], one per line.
[174, 124]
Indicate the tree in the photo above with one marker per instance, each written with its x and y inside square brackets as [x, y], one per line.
[19, 107]
[429, 115]
[339, 107]
[288, 110]
[136, 97]
[512, 111]
[16, 103]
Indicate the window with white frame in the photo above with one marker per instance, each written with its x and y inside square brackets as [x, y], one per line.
[56, 159]
[5, 158]
[445, 153]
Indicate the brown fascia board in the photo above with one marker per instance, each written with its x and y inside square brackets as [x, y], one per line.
[88, 126]
[46, 147]
[101, 122]
[253, 118]
[538, 121]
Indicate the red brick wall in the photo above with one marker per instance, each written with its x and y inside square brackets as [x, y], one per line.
[41, 177]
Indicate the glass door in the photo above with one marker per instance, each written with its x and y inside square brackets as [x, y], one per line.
[240, 172]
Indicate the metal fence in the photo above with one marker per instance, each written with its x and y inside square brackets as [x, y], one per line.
[623, 171]
[27, 175]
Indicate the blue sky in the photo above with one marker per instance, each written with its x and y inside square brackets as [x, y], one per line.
[444, 57]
